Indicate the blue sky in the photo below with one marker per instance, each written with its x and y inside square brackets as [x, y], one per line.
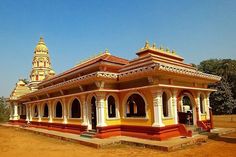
[77, 29]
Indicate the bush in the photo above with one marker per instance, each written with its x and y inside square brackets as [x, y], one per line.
[4, 110]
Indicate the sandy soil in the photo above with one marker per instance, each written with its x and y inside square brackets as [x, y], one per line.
[19, 143]
[231, 135]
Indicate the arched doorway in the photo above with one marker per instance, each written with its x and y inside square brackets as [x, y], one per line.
[186, 109]
[93, 113]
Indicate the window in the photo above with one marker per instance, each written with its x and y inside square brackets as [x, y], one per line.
[165, 105]
[111, 107]
[58, 110]
[45, 111]
[37, 77]
[135, 106]
[75, 109]
[36, 111]
[201, 103]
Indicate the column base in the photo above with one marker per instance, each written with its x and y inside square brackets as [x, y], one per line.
[15, 118]
[101, 125]
[84, 124]
[158, 125]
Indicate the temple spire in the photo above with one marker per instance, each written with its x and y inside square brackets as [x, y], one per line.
[41, 65]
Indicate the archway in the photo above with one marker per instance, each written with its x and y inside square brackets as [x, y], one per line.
[45, 110]
[186, 108]
[58, 110]
[75, 109]
[93, 113]
[135, 106]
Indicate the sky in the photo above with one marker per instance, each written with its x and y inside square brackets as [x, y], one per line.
[78, 29]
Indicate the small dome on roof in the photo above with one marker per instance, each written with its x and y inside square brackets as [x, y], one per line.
[41, 46]
[51, 72]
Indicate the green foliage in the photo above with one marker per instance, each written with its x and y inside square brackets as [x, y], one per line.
[223, 101]
[4, 110]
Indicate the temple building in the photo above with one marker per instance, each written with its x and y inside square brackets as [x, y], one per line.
[153, 96]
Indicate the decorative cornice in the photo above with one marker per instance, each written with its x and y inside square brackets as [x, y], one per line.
[144, 69]
[105, 75]
[185, 71]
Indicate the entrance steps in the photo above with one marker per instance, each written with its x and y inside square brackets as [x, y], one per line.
[89, 134]
[195, 130]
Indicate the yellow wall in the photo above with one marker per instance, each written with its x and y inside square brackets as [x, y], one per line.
[44, 119]
[74, 121]
[57, 120]
[34, 119]
[203, 117]
[168, 121]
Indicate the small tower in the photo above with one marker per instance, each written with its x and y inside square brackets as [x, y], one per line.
[41, 65]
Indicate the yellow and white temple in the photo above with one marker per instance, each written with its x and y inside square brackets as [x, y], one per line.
[154, 96]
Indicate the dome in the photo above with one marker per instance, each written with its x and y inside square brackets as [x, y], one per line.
[51, 72]
[41, 47]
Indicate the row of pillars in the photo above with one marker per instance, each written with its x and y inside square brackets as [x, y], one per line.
[100, 103]
[100, 100]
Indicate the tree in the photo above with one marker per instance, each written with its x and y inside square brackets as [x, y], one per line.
[4, 110]
[223, 101]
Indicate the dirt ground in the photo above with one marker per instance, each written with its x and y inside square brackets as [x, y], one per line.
[15, 142]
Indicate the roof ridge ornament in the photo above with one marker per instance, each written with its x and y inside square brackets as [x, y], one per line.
[161, 48]
[146, 46]
[154, 46]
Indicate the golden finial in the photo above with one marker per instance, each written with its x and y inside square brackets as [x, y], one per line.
[41, 40]
[173, 51]
[161, 48]
[106, 50]
[167, 49]
[146, 46]
[154, 46]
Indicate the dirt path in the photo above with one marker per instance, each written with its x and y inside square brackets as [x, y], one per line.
[18, 143]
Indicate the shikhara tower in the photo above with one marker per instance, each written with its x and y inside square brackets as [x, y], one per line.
[42, 67]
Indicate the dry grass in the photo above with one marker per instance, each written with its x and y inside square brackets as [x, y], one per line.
[16, 142]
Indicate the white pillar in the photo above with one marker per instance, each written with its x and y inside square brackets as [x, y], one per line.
[30, 112]
[64, 111]
[208, 106]
[199, 107]
[15, 114]
[101, 109]
[39, 113]
[84, 111]
[27, 113]
[50, 107]
[157, 106]
[11, 112]
[174, 103]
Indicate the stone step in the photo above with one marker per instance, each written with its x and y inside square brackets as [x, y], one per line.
[89, 134]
